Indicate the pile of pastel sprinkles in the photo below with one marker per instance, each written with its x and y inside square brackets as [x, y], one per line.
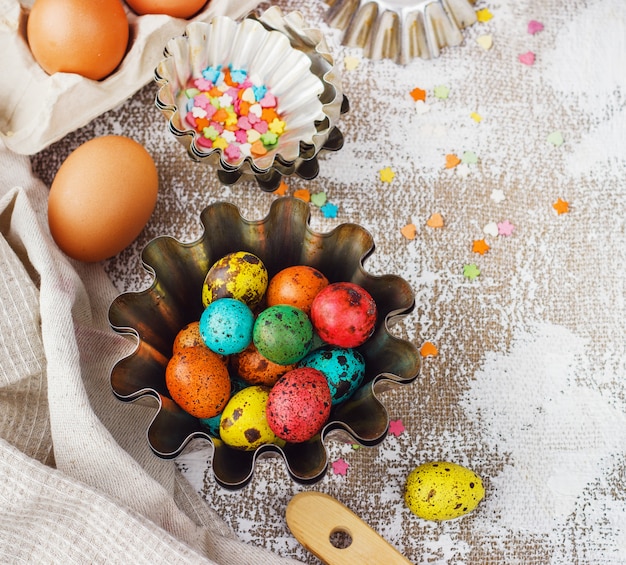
[232, 112]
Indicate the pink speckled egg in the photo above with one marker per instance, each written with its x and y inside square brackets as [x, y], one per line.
[344, 314]
[299, 404]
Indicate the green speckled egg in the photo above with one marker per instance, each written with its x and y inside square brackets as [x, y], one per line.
[442, 491]
[239, 275]
[283, 334]
[244, 424]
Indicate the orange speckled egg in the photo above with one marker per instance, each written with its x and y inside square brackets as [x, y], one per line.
[175, 8]
[296, 286]
[101, 197]
[189, 336]
[255, 369]
[87, 37]
[198, 381]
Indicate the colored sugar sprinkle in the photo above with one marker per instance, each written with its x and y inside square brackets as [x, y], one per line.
[418, 94]
[329, 210]
[476, 117]
[483, 15]
[396, 427]
[435, 221]
[409, 231]
[505, 228]
[340, 467]
[471, 271]
[561, 206]
[485, 41]
[429, 349]
[452, 161]
[480, 246]
[441, 92]
[556, 138]
[303, 194]
[351, 63]
[469, 157]
[527, 58]
[386, 174]
[233, 113]
[318, 199]
[491, 229]
[534, 27]
[497, 195]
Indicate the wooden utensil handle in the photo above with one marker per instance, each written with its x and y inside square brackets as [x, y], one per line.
[313, 517]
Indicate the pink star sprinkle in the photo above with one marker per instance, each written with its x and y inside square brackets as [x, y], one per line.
[340, 467]
[527, 58]
[505, 228]
[534, 27]
[396, 427]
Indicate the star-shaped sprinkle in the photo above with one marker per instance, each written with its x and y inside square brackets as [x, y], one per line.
[505, 228]
[418, 94]
[429, 349]
[471, 271]
[491, 229]
[556, 138]
[356, 446]
[561, 206]
[340, 467]
[476, 117]
[396, 427]
[469, 157]
[485, 41]
[527, 58]
[483, 15]
[329, 210]
[534, 27]
[409, 231]
[318, 199]
[282, 189]
[497, 195]
[435, 221]
[452, 161]
[441, 91]
[303, 194]
[480, 246]
[386, 174]
[351, 63]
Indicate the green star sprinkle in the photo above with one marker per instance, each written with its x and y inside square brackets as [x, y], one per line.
[471, 271]
[556, 138]
[441, 91]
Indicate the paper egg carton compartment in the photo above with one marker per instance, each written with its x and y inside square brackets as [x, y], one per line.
[37, 109]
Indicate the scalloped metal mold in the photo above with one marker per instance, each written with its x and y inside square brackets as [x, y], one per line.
[283, 238]
[401, 30]
[291, 59]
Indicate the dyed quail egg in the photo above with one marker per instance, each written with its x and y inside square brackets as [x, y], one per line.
[344, 314]
[239, 275]
[198, 381]
[244, 424]
[299, 405]
[442, 491]
[296, 286]
[283, 334]
[189, 336]
[226, 326]
[343, 368]
[255, 369]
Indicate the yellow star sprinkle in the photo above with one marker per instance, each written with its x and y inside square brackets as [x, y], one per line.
[476, 117]
[386, 174]
[220, 143]
[277, 126]
[484, 15]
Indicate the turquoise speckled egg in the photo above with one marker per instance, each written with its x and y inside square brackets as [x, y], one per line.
[344, 369]
[226, 326]
[283, 334]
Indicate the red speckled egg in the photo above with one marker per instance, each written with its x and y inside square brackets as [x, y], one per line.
[198, 381]
[299, 405]
[344, 314]
[296, 286]
[255, 369]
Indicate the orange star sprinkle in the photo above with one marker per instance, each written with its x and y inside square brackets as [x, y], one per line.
[282, 189]
[429, 349]
[435, 221]
[418, 94]
[303, 194]
[480, 246]
[409, 231]
[561, 207]
[452, 161]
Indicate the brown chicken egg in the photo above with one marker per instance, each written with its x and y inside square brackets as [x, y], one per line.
[102, 197]
[87, 37]
[175, 8]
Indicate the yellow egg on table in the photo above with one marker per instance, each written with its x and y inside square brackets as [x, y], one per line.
[442, 491]
[239, 275]
[101, 197]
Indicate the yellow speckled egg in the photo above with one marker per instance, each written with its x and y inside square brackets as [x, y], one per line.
[243, 424]
[442, 491]
[239, 275]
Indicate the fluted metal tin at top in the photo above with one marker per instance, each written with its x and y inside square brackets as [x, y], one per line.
[283, 238]
[274, 53]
